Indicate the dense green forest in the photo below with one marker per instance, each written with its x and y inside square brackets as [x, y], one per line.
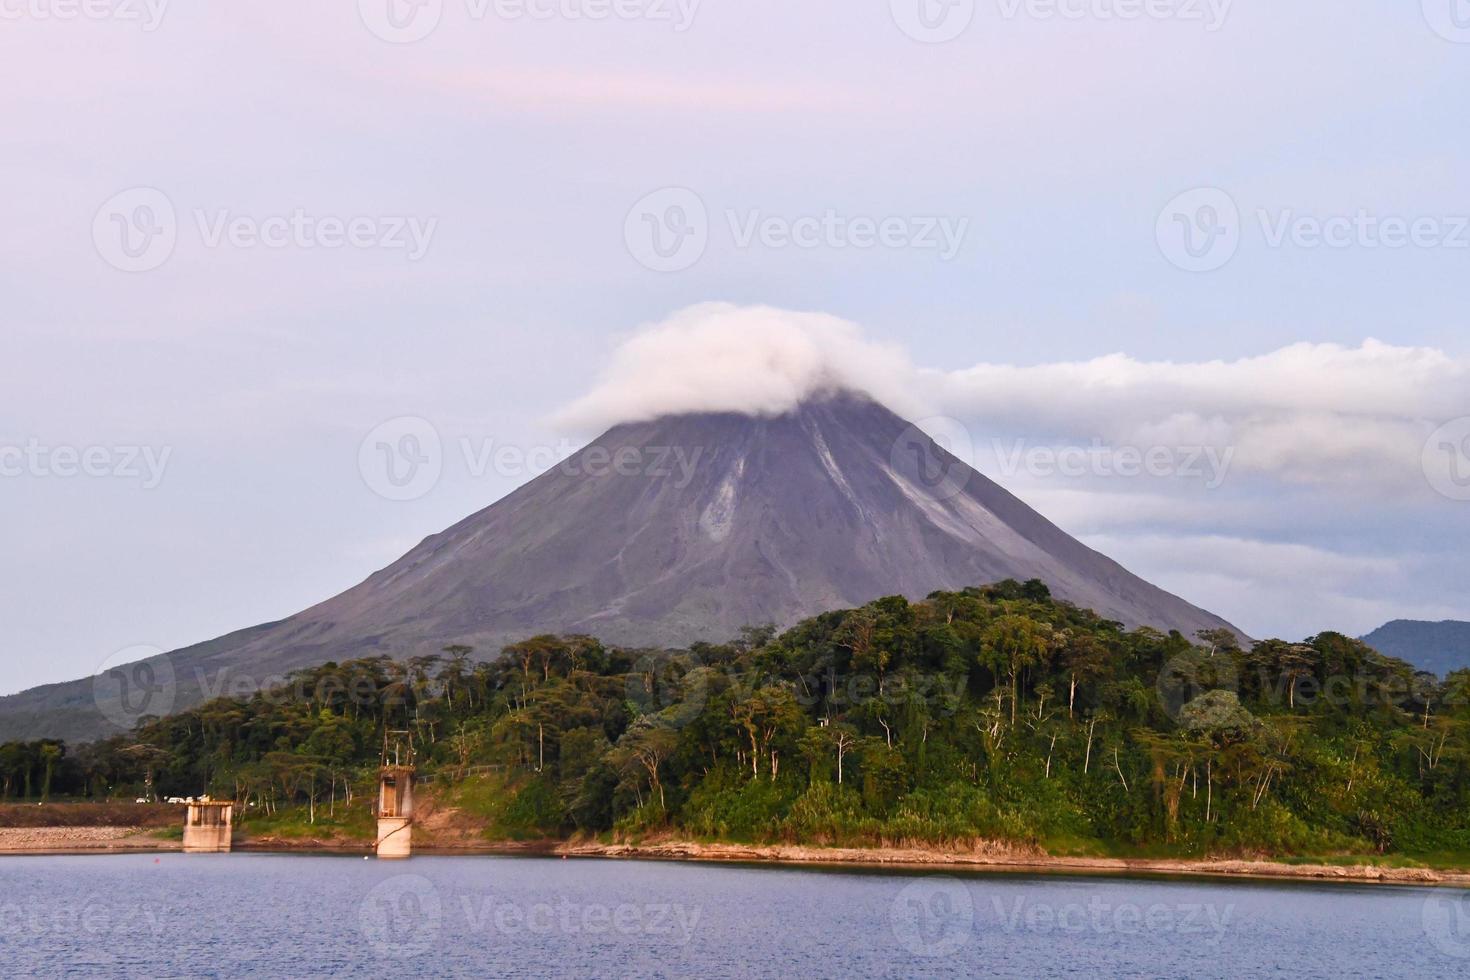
[992, 713]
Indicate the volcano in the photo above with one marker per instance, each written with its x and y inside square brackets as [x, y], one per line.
[670, 531]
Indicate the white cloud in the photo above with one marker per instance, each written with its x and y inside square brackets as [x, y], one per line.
[716, 357]
[1307, 413]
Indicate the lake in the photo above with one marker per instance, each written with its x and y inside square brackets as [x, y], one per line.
[223, 915]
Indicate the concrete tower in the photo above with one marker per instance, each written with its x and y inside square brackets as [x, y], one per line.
[395, 796]
[208, 826]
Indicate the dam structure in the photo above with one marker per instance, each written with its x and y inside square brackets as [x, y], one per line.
[395, 797]
[208, 826]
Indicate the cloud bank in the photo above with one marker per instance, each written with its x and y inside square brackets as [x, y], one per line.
[1313, 413]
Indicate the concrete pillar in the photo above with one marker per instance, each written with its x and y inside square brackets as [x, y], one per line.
[395, 812]
[208, 827]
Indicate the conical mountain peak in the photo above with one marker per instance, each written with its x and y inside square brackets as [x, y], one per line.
[688, 527]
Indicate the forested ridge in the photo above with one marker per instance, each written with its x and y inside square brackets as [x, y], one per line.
[991, 713]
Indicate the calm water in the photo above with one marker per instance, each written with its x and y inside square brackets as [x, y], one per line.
[247, 914]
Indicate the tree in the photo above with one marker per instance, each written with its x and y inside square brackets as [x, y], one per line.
[836, 739]
[51, 754]
[1218, 718]
[645, 746]
[1013, 643]
[1085, 659]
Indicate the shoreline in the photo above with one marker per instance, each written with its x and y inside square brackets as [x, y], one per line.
[1000, 859]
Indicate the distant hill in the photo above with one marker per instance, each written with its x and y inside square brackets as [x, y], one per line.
[1436, 647]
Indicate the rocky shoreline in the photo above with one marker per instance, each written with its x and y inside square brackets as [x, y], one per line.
[1001, 859]
[993, 857]
[71, 840]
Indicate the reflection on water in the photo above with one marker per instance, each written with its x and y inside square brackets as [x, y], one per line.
[207, 915]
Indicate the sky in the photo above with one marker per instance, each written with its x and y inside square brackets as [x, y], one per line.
[246, 249]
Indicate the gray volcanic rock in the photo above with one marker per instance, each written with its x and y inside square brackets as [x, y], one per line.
[665, 532]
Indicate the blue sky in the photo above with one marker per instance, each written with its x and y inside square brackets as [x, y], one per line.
[1065, 140]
